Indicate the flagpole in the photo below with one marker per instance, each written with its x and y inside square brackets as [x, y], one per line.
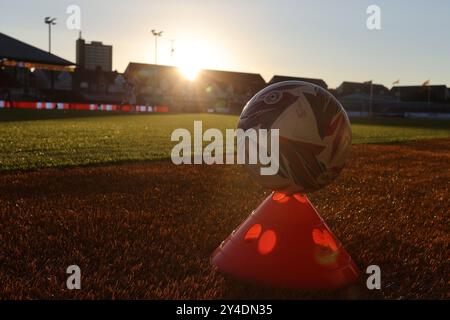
[398, 90]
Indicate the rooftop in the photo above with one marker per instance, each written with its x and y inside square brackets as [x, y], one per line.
[13, 49]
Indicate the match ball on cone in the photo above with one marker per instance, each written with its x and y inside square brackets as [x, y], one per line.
[314, 135]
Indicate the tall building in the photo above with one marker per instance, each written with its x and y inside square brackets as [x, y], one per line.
[94, 55]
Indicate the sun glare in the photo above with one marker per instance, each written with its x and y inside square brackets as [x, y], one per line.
[191, 57]
[189, 71]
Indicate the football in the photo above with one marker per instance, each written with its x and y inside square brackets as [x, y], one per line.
[314, 134]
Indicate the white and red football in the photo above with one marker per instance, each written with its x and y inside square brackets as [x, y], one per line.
[315, 134]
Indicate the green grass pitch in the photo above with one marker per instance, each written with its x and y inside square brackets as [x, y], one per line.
[27, 143]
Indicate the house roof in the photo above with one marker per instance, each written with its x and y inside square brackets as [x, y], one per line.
[278, 78]
[232, 77]
[363, 85]
[204, 75]
[13, 49]
[134, 67]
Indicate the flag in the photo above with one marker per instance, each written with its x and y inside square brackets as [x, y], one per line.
[368, 82]
[396, 81]
[426, 83]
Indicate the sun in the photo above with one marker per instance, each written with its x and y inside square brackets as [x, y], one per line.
[189, 71]
[190, 58]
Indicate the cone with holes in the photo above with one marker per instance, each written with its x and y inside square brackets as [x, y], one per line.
[285, 243]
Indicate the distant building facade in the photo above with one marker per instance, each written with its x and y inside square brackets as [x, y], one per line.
[90, 86]
[94, 55]
[347, 88]
[100, 86]
[229, 91]
[433, 93]
[17, 60]
[278, 78]
[212, 90]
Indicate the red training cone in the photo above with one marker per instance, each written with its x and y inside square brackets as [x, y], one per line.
[285, 242]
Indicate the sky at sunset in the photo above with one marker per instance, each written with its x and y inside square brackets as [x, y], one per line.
[319, 39]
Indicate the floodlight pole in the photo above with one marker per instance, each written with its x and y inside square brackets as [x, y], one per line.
[51, 22]
[156, 34]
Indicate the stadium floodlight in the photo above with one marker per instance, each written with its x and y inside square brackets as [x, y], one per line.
[156, 34]
[51, 22]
